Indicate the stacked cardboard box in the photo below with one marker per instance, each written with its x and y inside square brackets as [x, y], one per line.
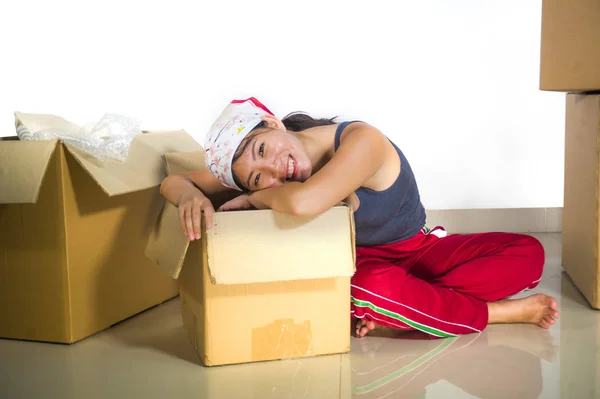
[260, 285]
[570, 62]
[73, 231]
[570, 56]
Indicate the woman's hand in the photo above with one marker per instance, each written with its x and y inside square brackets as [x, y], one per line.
[190, 211]
[240, 202]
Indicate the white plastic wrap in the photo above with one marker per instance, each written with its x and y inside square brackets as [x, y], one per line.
[110, 138]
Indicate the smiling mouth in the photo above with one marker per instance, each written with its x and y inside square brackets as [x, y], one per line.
[291, 169]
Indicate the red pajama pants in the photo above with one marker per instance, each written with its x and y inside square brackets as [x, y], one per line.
[440, 284]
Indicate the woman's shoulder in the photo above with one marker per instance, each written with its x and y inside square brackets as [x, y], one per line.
[351, 127]
[356, 124]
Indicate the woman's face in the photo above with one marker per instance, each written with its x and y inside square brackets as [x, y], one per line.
[272, 157]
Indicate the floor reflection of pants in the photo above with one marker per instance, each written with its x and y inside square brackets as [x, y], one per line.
[467, 362]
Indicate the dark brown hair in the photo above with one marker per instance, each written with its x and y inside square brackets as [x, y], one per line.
[294, 122]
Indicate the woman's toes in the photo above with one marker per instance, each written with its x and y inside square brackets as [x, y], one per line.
[363, 331]
[359, 327]
[547, 321]
[363, 327]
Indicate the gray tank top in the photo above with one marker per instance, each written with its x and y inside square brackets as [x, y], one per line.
[391, 215]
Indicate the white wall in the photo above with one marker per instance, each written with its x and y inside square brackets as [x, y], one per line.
[453, 83]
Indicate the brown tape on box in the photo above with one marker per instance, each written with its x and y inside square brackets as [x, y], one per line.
[282, 339]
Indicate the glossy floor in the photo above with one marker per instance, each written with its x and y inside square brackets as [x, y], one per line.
[149, 356]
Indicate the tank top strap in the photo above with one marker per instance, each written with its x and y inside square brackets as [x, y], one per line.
[338, 133]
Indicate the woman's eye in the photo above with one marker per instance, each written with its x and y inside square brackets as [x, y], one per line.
[261, 149]
[256, 180]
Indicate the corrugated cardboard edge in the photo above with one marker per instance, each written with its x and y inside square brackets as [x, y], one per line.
[206, 253]
[63, 170]
[596, 297]
[205, 353]
[352, 232]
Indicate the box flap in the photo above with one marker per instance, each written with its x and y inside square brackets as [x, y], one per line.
[168, 245]
[22, 168]
[276, 241]
[182, 162]
[264, 246]
[144, 167]
[28, 124]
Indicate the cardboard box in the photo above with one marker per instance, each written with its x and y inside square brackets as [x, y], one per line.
[73, 231]
[260, 285]
[581, 223]
[570, 46]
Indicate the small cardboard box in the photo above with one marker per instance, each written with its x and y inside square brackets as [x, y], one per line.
[581, 222]
[570, 46]
[260, 285]
[73, 231]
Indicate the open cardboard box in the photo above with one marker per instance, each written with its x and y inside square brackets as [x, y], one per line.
[73, 231]
[260, 285]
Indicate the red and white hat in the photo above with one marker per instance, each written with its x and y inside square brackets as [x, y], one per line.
[227, 132]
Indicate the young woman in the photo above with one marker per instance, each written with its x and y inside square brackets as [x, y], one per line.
[408, 276]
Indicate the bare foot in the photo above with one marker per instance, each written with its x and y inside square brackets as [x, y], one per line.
[537, 309]
[363, 327]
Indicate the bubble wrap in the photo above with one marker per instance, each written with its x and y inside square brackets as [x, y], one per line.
[110, 138]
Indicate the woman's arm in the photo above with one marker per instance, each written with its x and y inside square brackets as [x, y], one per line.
[176, 187]
[360, 155]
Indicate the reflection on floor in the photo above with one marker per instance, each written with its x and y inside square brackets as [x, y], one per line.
[150, 356]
